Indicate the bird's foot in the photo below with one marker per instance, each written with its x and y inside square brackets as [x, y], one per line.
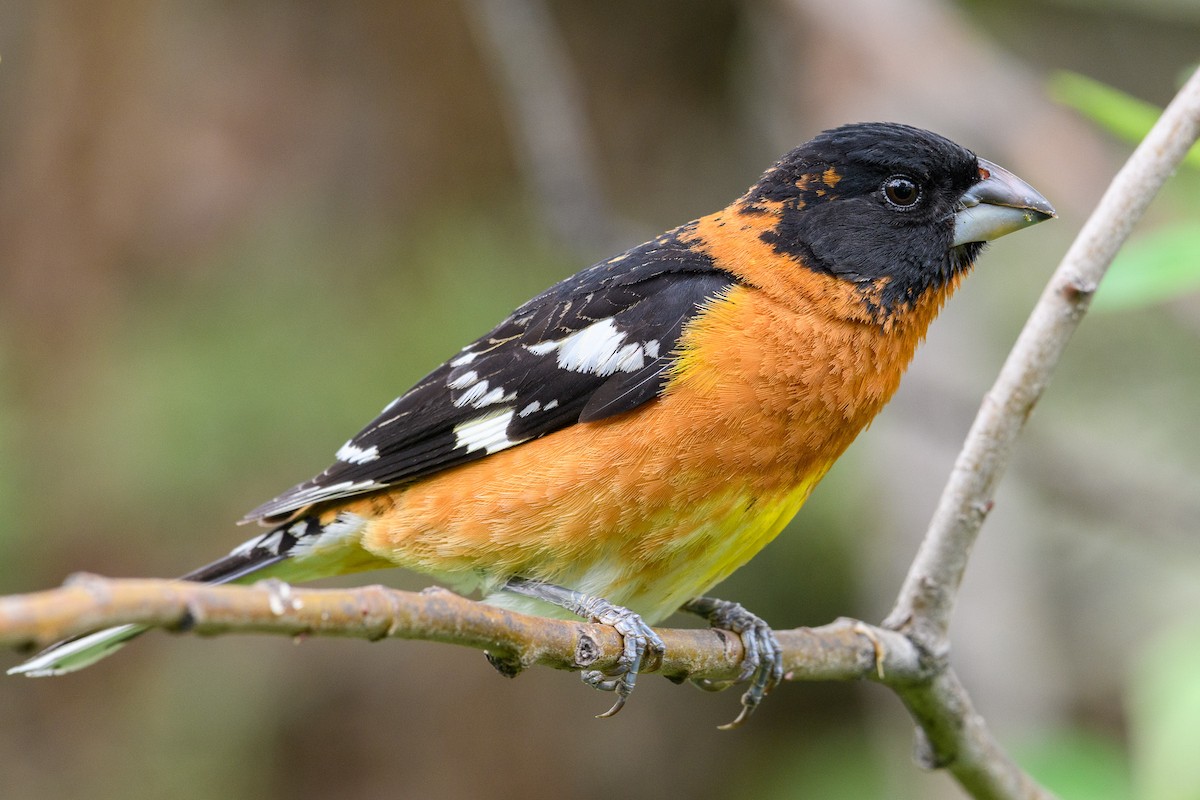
[762, 662]
[640, 644]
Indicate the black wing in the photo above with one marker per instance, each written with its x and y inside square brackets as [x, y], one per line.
[594, 345]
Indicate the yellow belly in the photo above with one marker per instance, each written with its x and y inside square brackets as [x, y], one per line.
[651, 508]
[628, 528]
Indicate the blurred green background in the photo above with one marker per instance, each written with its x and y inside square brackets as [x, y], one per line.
[231, 232]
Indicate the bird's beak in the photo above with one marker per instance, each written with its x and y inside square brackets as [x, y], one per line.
[1000, 203]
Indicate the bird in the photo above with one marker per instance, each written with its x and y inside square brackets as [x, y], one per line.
[625, 440]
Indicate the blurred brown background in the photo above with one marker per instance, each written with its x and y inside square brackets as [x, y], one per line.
[230, 232]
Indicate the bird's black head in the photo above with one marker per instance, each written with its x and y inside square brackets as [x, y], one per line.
[877, 204]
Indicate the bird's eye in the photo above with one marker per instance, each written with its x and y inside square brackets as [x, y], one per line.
[901, 191]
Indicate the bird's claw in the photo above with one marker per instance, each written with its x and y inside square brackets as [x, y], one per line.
[762, 660]
[640, 645]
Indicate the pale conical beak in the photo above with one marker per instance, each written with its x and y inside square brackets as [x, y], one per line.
[1000, 203]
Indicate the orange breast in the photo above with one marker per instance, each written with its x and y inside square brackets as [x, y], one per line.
[654, 506]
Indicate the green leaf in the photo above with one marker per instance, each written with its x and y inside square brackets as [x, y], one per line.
[1123, 115]
[1165, 717]
[1076, 764]
[1154, 268]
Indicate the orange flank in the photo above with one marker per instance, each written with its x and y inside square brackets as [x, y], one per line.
[652, 508]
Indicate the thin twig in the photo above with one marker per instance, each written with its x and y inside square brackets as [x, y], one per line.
[952, 734]
[927, 597]
[945, 714]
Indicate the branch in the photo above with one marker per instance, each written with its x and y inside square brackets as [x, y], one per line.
[927, 598]
[840, 651]
[953, 734]
[843, 650]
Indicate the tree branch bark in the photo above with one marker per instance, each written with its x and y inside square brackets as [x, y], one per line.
[927, 597]
[843, 650]
[951, 734]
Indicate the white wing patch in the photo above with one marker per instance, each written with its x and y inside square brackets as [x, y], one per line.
[496, 395]
[486, 433]
[599, 349]
[592, 349]
[464, 380]
[353, 454]
[478, 395]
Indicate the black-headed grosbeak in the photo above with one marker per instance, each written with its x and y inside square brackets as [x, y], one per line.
[628, 438]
